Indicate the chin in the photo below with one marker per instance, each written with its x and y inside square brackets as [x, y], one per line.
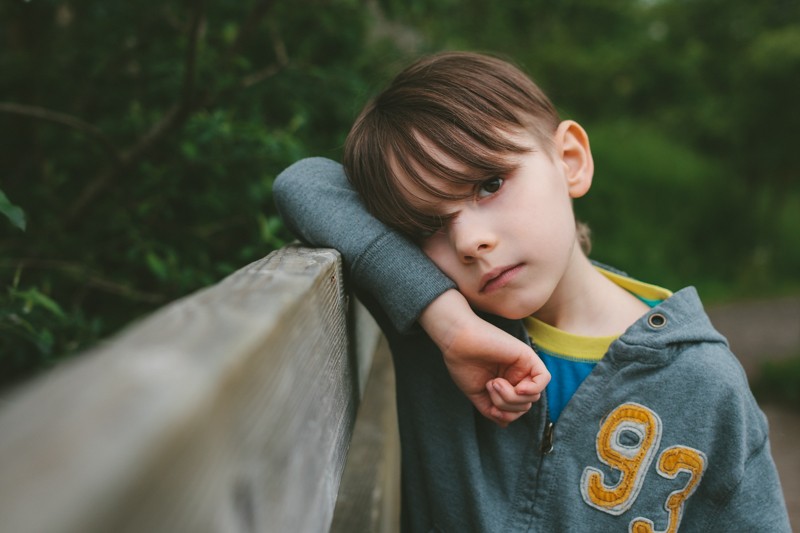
[518, 313]
[521, 308]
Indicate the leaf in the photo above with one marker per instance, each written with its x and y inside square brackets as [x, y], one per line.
[34, 298]
[15, 214]
[156, 266]
[268, 229]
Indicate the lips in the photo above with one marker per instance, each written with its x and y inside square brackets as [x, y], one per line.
[497, 278]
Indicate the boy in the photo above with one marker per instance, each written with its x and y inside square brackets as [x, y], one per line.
[461, 180]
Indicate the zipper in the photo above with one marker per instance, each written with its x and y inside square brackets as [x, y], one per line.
[547, 438]
[549, 428]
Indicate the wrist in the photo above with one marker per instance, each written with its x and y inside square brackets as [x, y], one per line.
[445, 316]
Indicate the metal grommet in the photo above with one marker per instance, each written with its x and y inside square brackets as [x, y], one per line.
[657, 320]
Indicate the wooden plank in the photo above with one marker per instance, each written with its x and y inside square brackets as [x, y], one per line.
[229, 410]
[365, 337]
[369, 495]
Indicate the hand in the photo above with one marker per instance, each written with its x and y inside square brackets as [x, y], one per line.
[501, 375]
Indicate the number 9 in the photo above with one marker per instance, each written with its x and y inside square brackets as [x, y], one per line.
[627, 442]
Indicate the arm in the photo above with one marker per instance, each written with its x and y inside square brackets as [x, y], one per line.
[318, 204]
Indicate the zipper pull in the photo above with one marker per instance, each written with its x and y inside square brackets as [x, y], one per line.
[547, 439]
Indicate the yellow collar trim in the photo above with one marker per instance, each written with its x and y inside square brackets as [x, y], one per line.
[639, 288]
[561, 343]
[579, 347]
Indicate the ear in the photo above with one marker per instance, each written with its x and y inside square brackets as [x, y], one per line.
[573, 152]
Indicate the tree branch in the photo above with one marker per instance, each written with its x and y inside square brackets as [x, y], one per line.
[259, 76]
[69, 121]
[91, 279]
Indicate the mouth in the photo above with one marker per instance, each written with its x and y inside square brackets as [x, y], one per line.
[498, 278]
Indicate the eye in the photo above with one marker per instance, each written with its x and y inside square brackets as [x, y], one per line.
[490, 186]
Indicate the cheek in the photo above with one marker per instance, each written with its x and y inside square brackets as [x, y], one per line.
[438, 251]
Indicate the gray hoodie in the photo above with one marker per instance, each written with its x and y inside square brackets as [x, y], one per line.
[664, 433]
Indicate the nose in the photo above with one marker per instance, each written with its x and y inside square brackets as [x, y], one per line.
[472, 235]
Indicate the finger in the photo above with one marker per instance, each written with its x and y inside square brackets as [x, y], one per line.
[484, 405]
[523, 392]
[530, 389]
[540, 376]
[537, 375]
[521, 365]
[516, 357]
[503, 418]
[505, 398]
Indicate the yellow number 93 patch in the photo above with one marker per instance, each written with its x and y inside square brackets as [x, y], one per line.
[628, 441]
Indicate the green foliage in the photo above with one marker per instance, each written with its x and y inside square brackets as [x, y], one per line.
[13, 213]
[33, 327]
[144, 146]
[143, 143]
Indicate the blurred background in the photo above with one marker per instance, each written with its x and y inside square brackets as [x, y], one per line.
[139, 141]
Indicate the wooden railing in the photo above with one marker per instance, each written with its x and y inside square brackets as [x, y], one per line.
[230, 410]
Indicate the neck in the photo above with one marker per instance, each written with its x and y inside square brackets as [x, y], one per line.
[587, 303]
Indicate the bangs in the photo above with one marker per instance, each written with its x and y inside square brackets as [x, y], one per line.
[443, 162]
[437, 152]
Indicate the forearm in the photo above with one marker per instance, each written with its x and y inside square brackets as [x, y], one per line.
[318, 204]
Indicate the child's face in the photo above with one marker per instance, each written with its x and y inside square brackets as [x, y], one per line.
[513, 240]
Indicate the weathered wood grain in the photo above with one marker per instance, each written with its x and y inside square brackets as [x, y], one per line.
[369, 496]
[227, 411]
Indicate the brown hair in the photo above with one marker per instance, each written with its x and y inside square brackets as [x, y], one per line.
[462, 105]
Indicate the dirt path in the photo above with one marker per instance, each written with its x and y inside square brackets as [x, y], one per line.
[761, 331]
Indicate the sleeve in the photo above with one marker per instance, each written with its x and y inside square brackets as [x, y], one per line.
[318, 204]
[757, 503]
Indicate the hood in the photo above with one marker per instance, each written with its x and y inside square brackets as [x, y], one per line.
[667, 328]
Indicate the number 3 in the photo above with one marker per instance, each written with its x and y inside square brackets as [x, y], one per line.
[627, 442]
[672, 461]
